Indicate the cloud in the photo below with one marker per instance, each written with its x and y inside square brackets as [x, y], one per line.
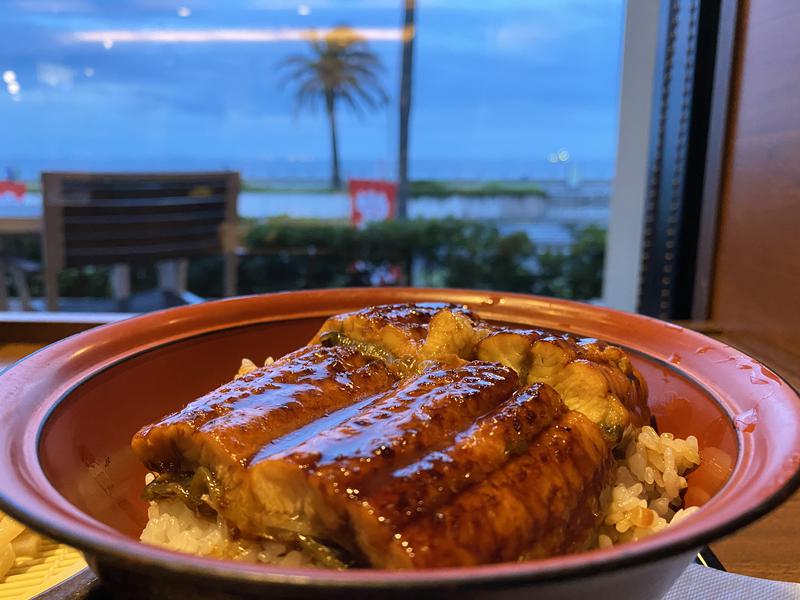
[54, 75]
[516, 36]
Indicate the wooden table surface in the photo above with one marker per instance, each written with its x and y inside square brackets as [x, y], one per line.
[20, 226]
[769, 548]
[20, 219]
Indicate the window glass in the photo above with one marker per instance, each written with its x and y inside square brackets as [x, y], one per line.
[511, 133]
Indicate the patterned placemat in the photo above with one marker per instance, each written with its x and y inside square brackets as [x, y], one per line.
[31, 576]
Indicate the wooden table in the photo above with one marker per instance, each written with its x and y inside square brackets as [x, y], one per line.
[26, 220]
[16, 221]
[769, 548]
[20, 225]
[20, 219]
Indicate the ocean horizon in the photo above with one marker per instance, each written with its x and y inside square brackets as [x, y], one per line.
[318, 170]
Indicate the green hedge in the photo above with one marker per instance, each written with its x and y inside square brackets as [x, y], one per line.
[428, 188]
[291, 254]
[577, 274]
[284, 254]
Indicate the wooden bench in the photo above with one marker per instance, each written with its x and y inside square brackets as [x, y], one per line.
[121, 220]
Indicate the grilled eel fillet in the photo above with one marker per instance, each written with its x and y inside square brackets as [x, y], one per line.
[223, 430]
[407, 336]
[379, 476]
[594, 378]
[395, 444]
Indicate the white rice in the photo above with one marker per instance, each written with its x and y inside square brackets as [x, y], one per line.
[172, 525]
[645, 493]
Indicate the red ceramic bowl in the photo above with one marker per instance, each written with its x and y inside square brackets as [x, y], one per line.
[67, 414]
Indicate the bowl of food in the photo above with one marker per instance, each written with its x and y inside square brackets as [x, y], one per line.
[393, 441]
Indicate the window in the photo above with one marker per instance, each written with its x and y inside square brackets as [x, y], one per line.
[512, 131]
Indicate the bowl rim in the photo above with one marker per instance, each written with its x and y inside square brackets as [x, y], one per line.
[27, 494]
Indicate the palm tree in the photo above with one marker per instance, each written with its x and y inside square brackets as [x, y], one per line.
[340, 67]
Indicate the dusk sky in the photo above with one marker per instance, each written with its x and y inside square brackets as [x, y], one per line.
[151, 79]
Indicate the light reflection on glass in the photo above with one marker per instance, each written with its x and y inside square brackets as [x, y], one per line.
[166, 36]
[54, 75]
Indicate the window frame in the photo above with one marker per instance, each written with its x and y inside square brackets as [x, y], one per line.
[672, 218]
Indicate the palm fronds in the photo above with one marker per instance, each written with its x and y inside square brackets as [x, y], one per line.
[340, 66]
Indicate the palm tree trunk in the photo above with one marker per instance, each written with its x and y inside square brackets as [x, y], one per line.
[330, 106]
[409, 33]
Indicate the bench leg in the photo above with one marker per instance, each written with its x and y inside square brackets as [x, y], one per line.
[120, 281]
[173, 274]
[230, 274]
[3, 287]
[18, 276]
[51, 288]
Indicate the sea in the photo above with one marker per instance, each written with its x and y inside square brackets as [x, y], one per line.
[302, 171]
[578, 193]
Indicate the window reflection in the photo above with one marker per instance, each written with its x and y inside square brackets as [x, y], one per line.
[510, 139]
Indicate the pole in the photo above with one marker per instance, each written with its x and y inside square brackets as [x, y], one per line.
[409, 33]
